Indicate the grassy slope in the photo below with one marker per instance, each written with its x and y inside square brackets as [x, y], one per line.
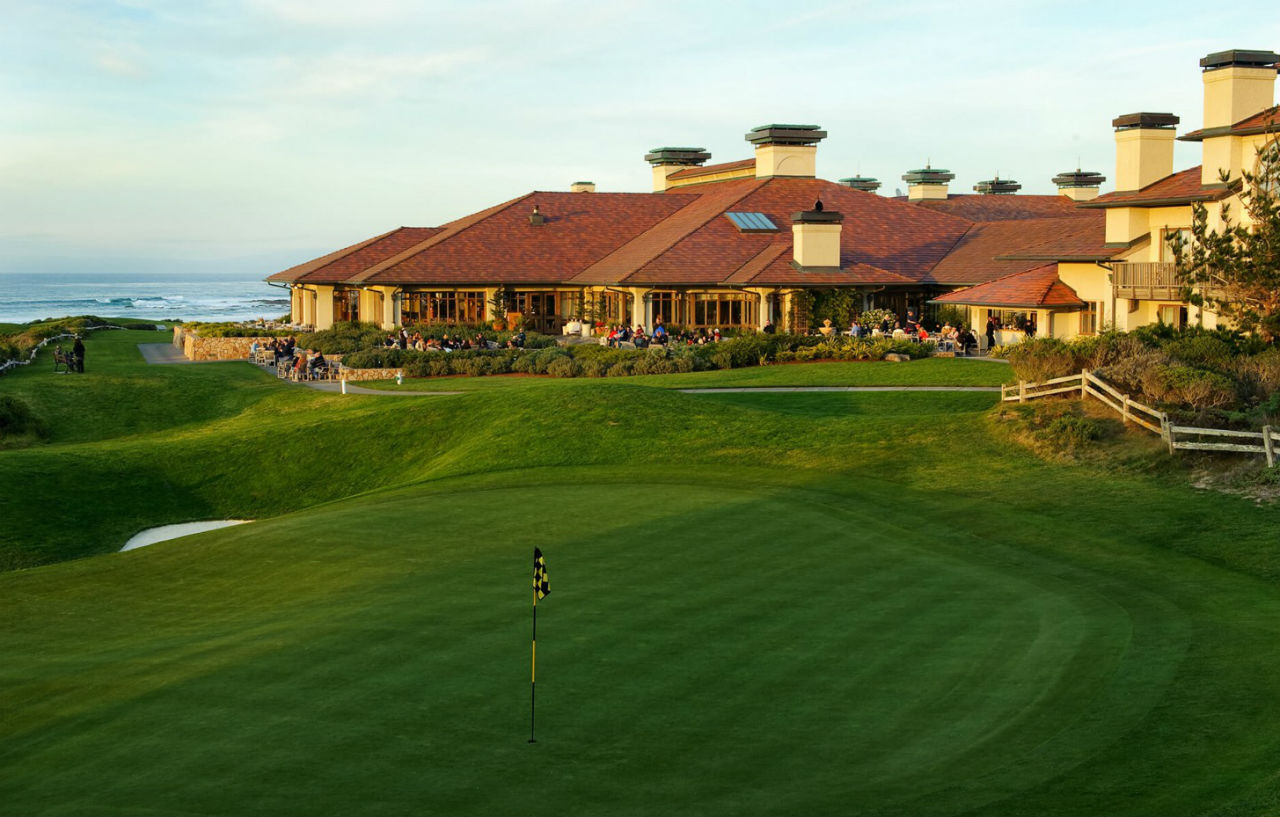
[820, 603]
[926, 372]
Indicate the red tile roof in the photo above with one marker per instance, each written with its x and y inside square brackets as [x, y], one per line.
[501, 246]
[340, 265]
[681, 238]
[1002, 208]
[999, 248]
[1182, 187]
[1260, 122]
[1038, 288]
[709, 170]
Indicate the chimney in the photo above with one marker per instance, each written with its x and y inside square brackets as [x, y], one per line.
[1080, 185]
[582, 187]
[536, 218]
[815, 237]
[1237, 85]
[786, 150]
[1144, 148]
[997, 187]
[866, 184]
[927, 183]
[666, 161]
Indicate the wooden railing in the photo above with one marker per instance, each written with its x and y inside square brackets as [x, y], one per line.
[1088, 384]
[1148, 281]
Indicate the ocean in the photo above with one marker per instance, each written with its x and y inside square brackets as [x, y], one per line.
[144, 296]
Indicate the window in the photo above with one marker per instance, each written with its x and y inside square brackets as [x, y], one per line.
[1091, 317]
[752, 222]
[1267, 169]
[1170, 242]
[723, 309]
[441, 307]
[671, 307]
[1174, 315]
[346, 304]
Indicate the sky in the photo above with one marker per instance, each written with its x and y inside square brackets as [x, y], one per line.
[250, 135]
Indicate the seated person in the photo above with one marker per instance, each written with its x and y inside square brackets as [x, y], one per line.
[317, 364]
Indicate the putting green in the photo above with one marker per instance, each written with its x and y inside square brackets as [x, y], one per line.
[705, 649]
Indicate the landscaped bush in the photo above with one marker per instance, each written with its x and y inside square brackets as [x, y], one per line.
[1070, 431]
[1198, 388]
[1040, 359]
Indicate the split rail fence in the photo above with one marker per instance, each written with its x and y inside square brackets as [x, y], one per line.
[1184, 438]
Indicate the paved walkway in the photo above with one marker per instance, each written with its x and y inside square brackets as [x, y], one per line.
[163, 354]
[334, 386]
[763, 389]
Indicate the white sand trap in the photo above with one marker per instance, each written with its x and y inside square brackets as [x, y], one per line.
[152, 535]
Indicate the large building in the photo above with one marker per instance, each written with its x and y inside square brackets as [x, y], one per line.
[738, 244]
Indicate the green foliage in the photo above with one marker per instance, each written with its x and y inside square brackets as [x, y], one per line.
[344, 338]
[840, 306]
[234, 330]
[17, 419]
[875, 317]
[954, 315]
[1235, 270]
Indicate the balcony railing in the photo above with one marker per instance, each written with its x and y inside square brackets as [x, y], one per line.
[1146, 281]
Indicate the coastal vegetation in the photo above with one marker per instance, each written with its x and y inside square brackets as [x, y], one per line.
[805, 603]
[1209, 377]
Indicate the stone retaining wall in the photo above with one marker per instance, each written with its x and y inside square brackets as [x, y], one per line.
[195, 347]
[356, 375]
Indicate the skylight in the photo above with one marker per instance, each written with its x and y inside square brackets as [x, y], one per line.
[752, 222]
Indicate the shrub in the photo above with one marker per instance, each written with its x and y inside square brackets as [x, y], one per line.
[1070, 431]
[1198, 388]
[17, 418]
[1041, 359]
[621, 368]
[564, 367]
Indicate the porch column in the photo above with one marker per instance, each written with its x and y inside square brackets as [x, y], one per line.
[763, 312]
[390, 308]
[639, 308]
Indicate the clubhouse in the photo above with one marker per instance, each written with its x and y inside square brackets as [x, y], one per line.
[746, 243]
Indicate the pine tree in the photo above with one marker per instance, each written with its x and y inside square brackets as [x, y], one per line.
[1235, 270]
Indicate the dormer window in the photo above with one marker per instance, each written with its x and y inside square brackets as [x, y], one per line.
[752, 222]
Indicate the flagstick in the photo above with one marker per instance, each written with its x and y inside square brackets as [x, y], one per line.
[533, 666]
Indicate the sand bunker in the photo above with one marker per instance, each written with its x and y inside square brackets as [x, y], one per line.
[152, 535]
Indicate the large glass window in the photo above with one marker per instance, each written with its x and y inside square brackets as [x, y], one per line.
[346, 304]
[725, 309]
[441, 307]
[671, 307]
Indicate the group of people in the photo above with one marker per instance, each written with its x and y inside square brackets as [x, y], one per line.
[619, 335]
[289, 361]
[73, 360]
[444, 343]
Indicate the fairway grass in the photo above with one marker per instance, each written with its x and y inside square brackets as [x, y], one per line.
[817, 603]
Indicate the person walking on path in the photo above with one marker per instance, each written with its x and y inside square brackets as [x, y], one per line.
[77, 352]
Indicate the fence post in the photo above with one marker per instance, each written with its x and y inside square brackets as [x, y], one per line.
[1166, 430]
[1268, 445]
[1084, 383]
[1022, 391]
[1125, 414]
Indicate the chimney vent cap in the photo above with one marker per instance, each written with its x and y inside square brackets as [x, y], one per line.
[997, 187]
[677, 156]
[867, 184]
[1145, 120]
[781, 134]
[1240, 57]
[928, 175]
[1079, 178]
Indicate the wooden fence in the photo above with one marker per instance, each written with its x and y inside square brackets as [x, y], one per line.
[1186, 438]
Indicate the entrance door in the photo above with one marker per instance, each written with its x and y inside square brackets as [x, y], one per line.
[541, 312]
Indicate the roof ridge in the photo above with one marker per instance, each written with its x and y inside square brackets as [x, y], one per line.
[713, 202]
[448, 231]
[308, 267]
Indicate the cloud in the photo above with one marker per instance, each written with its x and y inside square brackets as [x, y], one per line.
[115, 61]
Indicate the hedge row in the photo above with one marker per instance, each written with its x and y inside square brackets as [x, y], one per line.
[593, 360]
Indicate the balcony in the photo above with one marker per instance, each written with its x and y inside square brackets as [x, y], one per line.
[1146, 281]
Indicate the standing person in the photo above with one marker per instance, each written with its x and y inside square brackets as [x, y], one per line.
[77, 350]
[991, 332]
[1031, 325]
